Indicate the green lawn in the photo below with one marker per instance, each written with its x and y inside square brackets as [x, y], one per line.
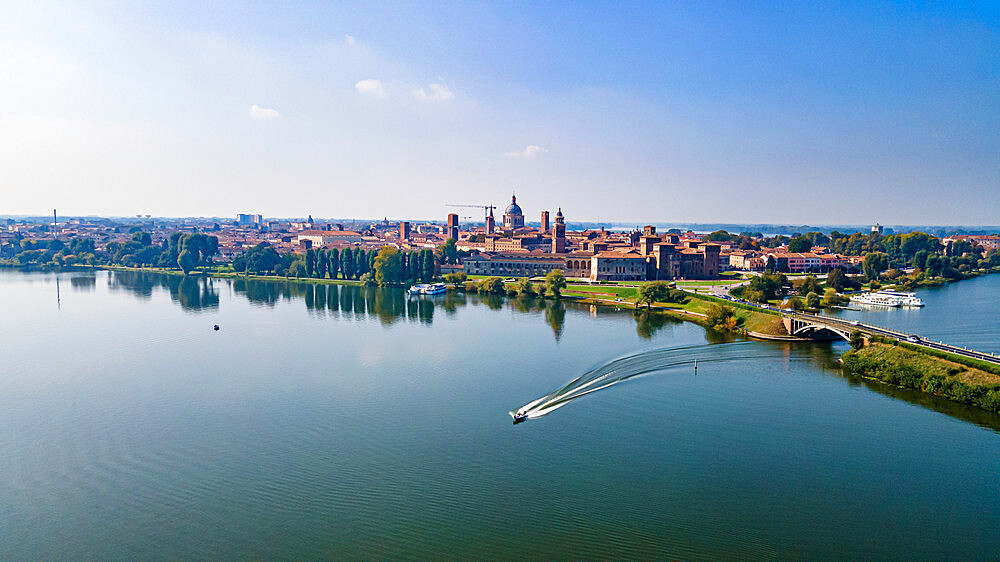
[588, 290]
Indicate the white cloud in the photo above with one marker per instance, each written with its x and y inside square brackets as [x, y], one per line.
[371, 86]
[438, 92]
[529, 151]
[349, 39]
[258, 112]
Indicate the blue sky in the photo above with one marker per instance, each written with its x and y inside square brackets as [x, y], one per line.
[665, 112]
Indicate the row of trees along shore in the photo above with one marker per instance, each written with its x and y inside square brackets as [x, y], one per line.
[185, 251]
[386, 266]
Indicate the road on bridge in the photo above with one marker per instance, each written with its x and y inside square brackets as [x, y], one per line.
[849, 325]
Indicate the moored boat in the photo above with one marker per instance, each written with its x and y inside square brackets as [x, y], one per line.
[435, 289]
[905, 299]
[877, 299]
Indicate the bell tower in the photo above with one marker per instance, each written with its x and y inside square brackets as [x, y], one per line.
[559, 234]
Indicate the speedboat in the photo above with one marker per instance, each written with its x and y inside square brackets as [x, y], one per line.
[519, 416]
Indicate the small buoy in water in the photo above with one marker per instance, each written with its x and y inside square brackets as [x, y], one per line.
[216, 327]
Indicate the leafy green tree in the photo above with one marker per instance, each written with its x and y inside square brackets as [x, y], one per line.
[456, 277]
[722, 317]
[334, 256]
[491, 286]
[262, 258]
[771, 264]
[874, 263]
[449, 251]
[347, 263]
[187, 261]
[310, 262]
[795, 303]
[388, 266]
[856, 340]
[428, 273]
[913, 242]
[299, 268]
[322, 262]
[555, 282]
[831, 298]
[934, 266]
[524, 288]
[766, 287]
[812, 300]
[836, 279]
[416, 265]
[657, 291]
[364, 266]
[799, 244]
[807, 285]
[817, 238]
[142, 238]
[719, 236]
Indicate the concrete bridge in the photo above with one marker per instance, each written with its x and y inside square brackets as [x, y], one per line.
[816, 326]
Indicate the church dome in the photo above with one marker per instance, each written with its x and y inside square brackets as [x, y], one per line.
[513, 208]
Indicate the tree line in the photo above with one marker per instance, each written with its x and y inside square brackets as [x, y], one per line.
[185, 251]
[386, 266]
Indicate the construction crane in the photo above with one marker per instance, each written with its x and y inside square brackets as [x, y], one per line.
[487, 209]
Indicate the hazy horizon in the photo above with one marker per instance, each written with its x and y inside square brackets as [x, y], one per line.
[682, 113]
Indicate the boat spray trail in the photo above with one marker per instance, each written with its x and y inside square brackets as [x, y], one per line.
[646, 363]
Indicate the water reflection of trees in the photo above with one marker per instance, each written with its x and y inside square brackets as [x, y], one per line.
[648, 322]
[555, 316]
[192, 293]
[85, 281]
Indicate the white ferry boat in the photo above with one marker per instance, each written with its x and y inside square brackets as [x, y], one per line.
[877, 299]
[905, 299]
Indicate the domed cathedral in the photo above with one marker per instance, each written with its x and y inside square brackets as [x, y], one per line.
[513, 218]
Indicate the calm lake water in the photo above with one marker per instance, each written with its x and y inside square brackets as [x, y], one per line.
[347, 422]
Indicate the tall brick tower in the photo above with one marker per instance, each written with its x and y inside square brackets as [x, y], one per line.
[559, 234]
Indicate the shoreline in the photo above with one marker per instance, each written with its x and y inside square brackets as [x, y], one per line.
[950, 377]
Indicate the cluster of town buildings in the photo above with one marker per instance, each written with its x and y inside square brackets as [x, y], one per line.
[509, 248]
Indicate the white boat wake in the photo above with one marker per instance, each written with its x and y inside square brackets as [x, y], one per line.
[640, 364]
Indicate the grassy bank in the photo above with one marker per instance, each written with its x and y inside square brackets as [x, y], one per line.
[694, 309]
[928, 371]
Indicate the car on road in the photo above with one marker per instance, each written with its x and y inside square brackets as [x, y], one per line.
[854, 323]
[913, 339]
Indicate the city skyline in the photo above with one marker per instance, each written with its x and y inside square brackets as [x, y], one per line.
[808, 114]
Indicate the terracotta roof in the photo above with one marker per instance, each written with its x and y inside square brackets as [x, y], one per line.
[328, 233]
